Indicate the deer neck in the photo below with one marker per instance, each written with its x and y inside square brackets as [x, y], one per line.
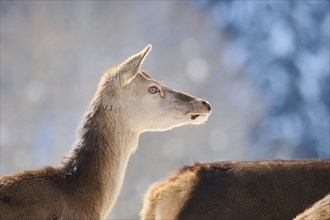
[99, 159]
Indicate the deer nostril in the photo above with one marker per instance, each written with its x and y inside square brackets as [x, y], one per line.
[207, 105]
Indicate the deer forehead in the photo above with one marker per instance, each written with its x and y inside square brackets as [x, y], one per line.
[143, 79]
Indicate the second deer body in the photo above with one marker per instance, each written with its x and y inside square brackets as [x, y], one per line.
[266, 190]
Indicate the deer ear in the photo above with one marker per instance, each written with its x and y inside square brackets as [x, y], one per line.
[129, 68]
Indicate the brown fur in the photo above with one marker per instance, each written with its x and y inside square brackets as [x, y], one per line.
[87, 185]
[319, 211]
[275, 189]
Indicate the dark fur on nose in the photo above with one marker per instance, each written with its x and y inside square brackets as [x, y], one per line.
[207, 105]
[184, 97]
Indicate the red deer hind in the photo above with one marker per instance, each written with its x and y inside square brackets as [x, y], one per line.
[127, 103]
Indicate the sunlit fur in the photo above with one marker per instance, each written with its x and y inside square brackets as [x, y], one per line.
[319, 211]
[267, 190]
[165, 199]
[87, 185]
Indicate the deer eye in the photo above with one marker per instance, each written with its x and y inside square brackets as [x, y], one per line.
[153, 89]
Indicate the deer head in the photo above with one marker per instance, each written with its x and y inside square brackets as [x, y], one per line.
[144, 103]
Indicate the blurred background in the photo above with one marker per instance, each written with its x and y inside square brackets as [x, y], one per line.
[263, 66]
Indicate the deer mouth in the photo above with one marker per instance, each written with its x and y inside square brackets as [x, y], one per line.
[194, 116]
[198, 118]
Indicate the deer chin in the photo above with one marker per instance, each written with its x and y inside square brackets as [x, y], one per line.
[189, 119]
